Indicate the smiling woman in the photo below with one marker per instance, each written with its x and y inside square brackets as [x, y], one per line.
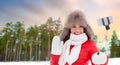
[75, 45]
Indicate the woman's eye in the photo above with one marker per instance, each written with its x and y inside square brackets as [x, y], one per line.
[74, 27]
[80, 26]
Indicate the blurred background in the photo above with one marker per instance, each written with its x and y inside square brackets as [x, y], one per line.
[28, 26]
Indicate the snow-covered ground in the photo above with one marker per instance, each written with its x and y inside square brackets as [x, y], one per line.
[112, 61]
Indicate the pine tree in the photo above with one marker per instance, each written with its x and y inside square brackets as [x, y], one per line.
[115, 45]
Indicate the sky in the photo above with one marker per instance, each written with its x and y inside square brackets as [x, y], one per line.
[36, 12]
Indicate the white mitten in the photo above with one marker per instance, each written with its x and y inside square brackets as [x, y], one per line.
[57, 45]
[99, 58]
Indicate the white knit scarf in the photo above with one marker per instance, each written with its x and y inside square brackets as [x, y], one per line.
[77, 41]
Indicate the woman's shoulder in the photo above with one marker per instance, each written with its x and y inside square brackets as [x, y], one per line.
[89, 42]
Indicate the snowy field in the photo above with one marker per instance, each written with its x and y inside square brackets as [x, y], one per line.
[112, 61]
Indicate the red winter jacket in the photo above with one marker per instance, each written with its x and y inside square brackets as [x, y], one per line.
[87, 50]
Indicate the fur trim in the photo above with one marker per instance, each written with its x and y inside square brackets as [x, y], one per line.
[76, 17]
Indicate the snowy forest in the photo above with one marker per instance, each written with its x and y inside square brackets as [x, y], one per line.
[18, 43]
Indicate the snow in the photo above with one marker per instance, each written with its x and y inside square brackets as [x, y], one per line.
[112, 61]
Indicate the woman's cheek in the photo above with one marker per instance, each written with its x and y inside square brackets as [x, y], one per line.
[81, 30]
[72, 31]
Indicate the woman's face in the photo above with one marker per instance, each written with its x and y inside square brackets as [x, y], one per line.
[77, 29]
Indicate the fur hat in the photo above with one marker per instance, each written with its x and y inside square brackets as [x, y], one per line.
[76, 17]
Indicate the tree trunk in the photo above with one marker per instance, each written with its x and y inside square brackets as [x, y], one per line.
[19, 53]
[25, 54]
[39, 54]
[47, 58]
[30, 49]
[15, 52]
[36, 52]
[6, 51]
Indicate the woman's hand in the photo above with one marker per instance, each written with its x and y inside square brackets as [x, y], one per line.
[99, 58]
[57, 45]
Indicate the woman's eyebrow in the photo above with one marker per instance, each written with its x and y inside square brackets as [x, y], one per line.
[73, 26]
[81, 26]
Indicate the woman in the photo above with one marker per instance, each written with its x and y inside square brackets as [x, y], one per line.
[75, 45]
